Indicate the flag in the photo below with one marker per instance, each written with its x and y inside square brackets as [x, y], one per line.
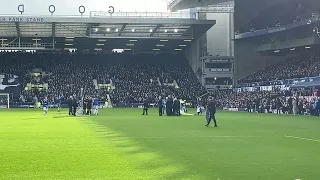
[207, 115]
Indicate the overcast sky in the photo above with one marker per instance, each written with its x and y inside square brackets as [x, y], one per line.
[70, 7]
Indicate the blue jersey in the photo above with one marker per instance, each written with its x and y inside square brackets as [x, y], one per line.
[95, 102]
[45, 103]
[164, 102]
[59, 100]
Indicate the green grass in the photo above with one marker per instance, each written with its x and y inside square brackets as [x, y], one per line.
[122, 144]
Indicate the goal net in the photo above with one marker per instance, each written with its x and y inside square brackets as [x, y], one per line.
[4, 100]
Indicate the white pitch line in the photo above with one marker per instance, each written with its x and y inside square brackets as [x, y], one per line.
[162, 137]
[307, 139]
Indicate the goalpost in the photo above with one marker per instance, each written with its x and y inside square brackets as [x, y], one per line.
[4, 100]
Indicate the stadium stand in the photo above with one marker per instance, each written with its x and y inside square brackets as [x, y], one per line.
[306, 64]
[294, 11]
[136, 77]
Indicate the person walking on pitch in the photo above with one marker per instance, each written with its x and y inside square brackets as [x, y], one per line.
[45, 105]
[59, 101]
[211, 108]
[95, 106]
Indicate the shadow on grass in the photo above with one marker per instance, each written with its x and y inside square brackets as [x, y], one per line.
[62, 116]
[30, 119]
[148, 158]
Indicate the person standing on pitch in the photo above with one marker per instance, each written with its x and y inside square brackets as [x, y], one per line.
[160, 106]
[164, 102]
[70, 103]
[95, 106]
[84, 106]
[211, 107]
[74, 105]
[89, 106]
[169, 106]
[145, 107]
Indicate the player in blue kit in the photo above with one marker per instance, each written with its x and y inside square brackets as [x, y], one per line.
[59, 101]
[45, 105]
[96, 106]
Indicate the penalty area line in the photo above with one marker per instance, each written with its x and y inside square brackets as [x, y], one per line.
[302, 138]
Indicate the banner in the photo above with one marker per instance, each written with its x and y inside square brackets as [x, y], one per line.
[9, 83]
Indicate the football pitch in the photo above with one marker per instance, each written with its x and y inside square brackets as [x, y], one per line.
[122, 144]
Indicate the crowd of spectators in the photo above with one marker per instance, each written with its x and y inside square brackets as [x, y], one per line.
[306, 64]
[286, 12]
[135, 77]
[266, 101]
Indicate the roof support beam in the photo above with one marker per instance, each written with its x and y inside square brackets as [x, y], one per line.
[188, 31]
[53, 31]
[122, 29]
[155, 29]
[18, 29]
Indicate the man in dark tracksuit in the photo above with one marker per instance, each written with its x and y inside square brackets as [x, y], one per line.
[89, 106]
[278, 106]
[169, 106]
[212, 110]
[145, 107]
[160, 105]
[70, 101]
[176, 105]
[84, 106]
[74, 105]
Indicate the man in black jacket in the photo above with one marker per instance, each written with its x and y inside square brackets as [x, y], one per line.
[70, 101]
[278, 106]
[74, 105]
[211, 107]
[89, 105]
[169, 106]
[145, 107]
[160, 105]
[176, 107]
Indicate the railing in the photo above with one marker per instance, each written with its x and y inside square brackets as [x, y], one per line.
[225, 8]
[13, 46]
[105, 14]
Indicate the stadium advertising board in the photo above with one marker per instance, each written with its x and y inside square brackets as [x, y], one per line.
[220, 60]
[219, 70]
[285, 81]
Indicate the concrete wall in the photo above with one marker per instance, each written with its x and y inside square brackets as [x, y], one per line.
[219, 36]
[193, 56]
